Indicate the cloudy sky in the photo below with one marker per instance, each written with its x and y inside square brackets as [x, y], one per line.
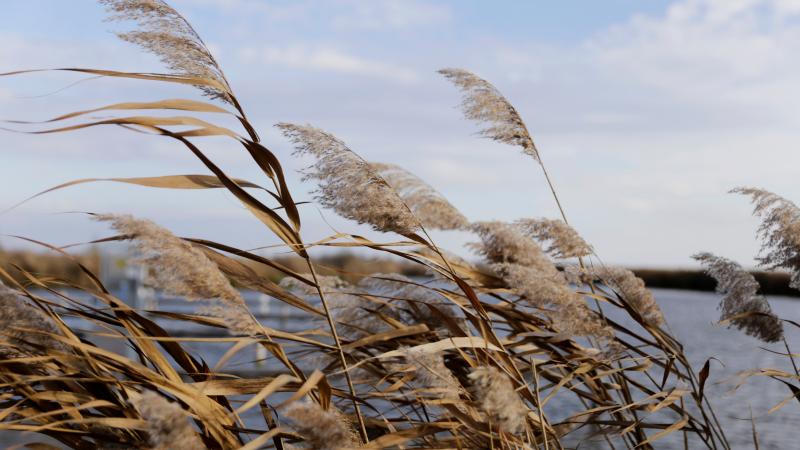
[646, 113]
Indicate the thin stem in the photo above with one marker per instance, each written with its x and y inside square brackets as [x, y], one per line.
[791, 358]
[362, 427]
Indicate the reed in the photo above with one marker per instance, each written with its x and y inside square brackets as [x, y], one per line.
[467, 357]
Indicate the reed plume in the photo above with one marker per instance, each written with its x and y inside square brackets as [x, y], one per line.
[524, 266]
[633, 290]
[496, 397]
[430, 206]
[24, 329]
[347, 184]
[779, 231]
[483, 103]
[167, 34]
[431, 373]
[741, 303]
[321, 429]
[168, 427]
[564, 241]
[180, 269]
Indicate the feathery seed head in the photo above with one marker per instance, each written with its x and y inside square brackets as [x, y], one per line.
[433, 210]
[431, 373]
[779, 231]
[506, 243]
[347, 184]
[495, 395]
[25, 328]
[633, 290]
[740, 296]
[321, 429]
[165, 33]
[565, 242]
[522, 264]
[483, 103]
[168, 427]
[180, 269]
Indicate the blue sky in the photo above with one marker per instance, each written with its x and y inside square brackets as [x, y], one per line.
[646, 113]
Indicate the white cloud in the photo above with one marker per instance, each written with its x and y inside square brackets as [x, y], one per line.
[327, 59]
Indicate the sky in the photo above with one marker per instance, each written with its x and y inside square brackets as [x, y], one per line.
[645, 112]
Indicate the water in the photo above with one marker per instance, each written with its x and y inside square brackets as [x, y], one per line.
[691, 316]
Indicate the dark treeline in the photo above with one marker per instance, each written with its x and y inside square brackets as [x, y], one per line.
[772, 283]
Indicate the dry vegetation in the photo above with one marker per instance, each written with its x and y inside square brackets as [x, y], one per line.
[467, 358]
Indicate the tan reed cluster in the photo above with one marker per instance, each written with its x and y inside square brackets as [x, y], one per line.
[180, 269]
[321, 429]
[483, 103]
[168, 426]
[564, 241]
[520, 261]
[632, 289]
[431, 373]
[162, 31]
[347, 183]
[779, 231]
[24, 329]
[495, 396]
[441, 359]
[430, 207]
[741, 303]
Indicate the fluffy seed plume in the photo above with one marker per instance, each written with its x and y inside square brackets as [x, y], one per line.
[740, 297]
[505, 243]
[431, 373]
[321, 429]
[165, 33]
[347, 183]
[424, 201]
[524, 266]
[565, 242]
[779, 231]
[168, 427]
[485, 104]
[24, 329]
[633, 290]
[495, 395]
[180, 269]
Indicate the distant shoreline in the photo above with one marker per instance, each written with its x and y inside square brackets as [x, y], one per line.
[772, 283]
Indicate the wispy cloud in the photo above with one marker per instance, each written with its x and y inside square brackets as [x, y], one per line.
[326, 59]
